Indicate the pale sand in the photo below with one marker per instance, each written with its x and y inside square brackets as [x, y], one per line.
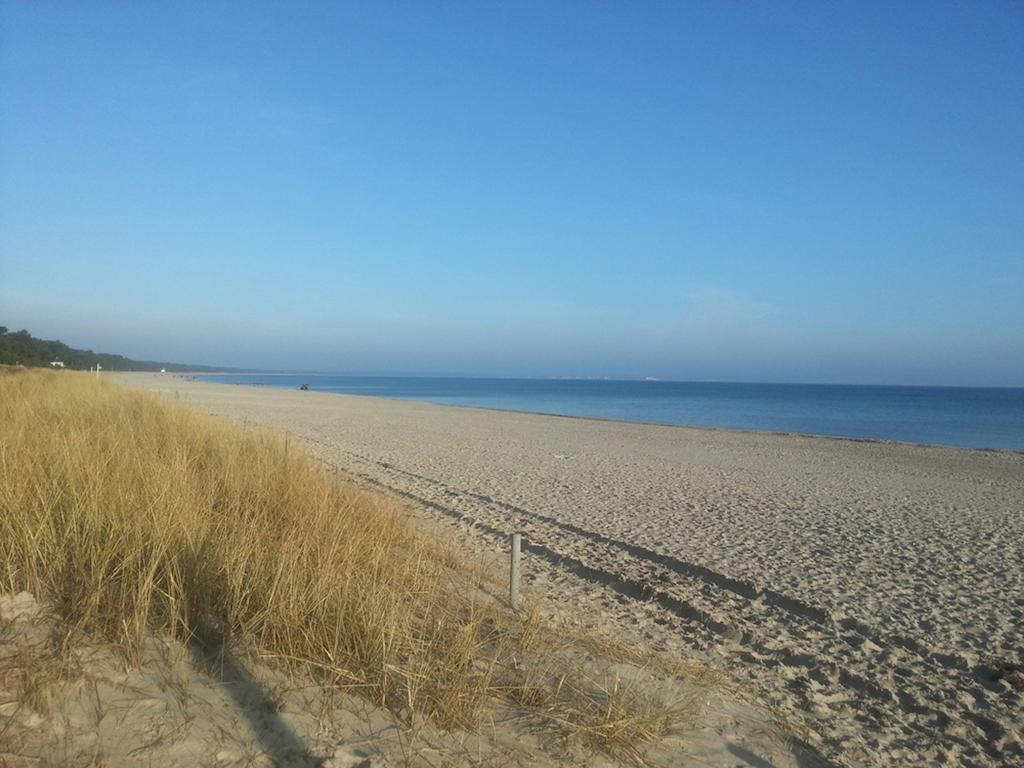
[877, 588]
[175, 708]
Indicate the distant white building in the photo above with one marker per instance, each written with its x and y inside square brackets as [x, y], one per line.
[56, 364]
[163, 370]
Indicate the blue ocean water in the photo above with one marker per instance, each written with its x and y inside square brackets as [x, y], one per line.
[961, 416]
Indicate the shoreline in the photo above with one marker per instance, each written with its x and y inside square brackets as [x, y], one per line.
[699, 427]
[581, 378]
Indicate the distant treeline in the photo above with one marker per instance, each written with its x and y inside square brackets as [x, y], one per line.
[22, 348]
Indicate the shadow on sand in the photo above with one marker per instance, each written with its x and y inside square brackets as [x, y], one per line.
[804, 758]
[255, 703]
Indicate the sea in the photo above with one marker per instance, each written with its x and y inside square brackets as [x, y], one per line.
[967, 417]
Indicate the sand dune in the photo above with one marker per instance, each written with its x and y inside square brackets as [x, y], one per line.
[874, 589]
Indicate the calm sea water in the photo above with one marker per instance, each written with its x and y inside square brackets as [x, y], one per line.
[961, 416]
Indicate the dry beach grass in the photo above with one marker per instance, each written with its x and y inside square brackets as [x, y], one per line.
[130, 517]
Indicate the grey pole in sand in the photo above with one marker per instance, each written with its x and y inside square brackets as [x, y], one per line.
[513, 575]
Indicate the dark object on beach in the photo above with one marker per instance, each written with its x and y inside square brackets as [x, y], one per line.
[304, 387]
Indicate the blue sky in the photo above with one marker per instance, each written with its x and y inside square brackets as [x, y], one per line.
[723, 191]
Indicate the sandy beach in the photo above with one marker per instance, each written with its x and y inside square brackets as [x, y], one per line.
[873, 590]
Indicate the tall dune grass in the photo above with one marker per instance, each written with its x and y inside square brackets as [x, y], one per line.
[130, 515]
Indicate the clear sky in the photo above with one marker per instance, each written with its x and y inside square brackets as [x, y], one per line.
[723, 190]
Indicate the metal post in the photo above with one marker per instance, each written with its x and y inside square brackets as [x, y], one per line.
[513, 576]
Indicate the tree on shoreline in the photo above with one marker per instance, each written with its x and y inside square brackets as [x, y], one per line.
[22, 348]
